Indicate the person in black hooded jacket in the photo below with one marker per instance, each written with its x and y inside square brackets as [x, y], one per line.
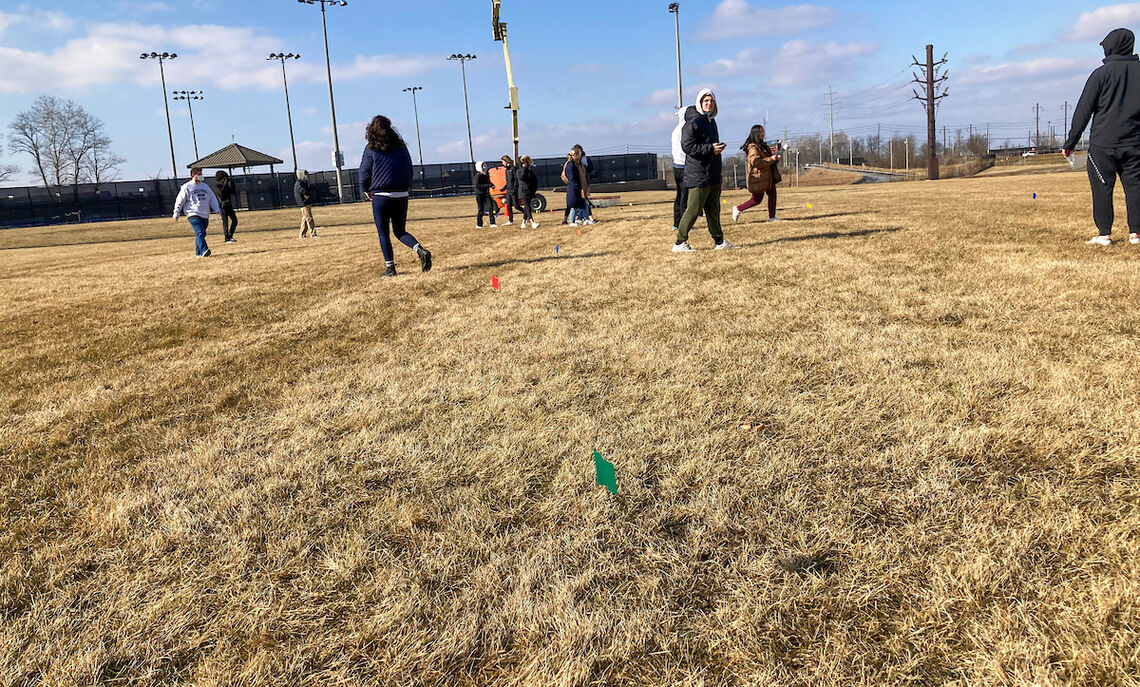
[700, 139]
[1112, 99]
[226, 192]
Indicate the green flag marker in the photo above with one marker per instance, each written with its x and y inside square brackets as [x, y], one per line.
[605, 470]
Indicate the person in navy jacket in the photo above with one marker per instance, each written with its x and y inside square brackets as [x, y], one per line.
[386, 179]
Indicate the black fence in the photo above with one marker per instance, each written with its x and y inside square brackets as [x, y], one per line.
[36, 205]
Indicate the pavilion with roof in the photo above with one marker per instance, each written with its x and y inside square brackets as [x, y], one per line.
[235, 155]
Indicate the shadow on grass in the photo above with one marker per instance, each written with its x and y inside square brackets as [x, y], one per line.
[830, 235]
[529, 261]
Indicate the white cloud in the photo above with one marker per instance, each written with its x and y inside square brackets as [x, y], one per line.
[1096, 24]
[737, 18]
[32, 19]
[109, 53]
[1033, 70]
[797, 63]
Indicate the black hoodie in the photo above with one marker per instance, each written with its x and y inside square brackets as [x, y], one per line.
[699, 135]
[1111, 97]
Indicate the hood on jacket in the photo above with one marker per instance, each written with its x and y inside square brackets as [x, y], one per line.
[703, 93]
[1118, 42]
[481, 167]
[302, 175]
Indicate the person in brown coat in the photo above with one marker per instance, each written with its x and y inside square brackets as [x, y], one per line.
[763, 174]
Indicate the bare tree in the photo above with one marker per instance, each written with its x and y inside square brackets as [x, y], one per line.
[67, 144]
[103, 164]
[7, 171]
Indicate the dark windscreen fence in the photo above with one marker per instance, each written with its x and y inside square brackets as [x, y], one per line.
[119, 200]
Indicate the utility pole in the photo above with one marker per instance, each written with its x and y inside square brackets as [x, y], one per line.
[892, 147]
[831, 120]
[821, 151]
[1037, 112]
[675, 10]
[1065, 132]
[930, 101]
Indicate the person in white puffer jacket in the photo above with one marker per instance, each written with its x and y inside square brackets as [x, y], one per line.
[199, 201]
[680, 202]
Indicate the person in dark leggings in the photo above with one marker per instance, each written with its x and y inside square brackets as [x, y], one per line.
[226, 194]
[1113, 103]
[386, 180]
[483, 195]
[528, 189]
[511, 201]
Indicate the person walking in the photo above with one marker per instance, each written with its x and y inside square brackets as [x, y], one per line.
[700, 139]
[680, 200]
[1111, 97]
[763, 174]
[198, 201]
[590, 175]
[386, 180]
[511, 201]
[226, 193]
[483, 195]
[304, 197]
[576, 188]
[527, 182]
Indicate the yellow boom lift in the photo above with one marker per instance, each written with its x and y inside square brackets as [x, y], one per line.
[499, 30]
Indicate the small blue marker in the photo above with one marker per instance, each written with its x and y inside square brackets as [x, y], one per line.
[556, 250]
[1034, 196]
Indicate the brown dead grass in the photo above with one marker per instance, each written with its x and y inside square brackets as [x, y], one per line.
[273, 467]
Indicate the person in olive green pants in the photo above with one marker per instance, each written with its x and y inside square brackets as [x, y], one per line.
[705, 198]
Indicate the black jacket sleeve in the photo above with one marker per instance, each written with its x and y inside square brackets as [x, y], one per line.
[1086, 106]
[365, 171]
[701, 151]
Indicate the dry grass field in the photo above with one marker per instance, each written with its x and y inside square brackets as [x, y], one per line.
[891, 440]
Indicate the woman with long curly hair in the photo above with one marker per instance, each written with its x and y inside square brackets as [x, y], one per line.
[763, 174]
[386, 180]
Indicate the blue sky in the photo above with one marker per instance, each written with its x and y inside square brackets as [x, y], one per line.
[596, 72]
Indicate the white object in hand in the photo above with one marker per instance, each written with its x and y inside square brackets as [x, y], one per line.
[1078, 160]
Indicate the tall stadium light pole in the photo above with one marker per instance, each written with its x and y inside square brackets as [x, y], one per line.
[189, 96]
[463, 59]
[416, 111]
[161, 57]
[288, 110]
[675, 9]
[338, 157]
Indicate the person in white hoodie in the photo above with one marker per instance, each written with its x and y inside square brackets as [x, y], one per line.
[198, 200]
[680, 202]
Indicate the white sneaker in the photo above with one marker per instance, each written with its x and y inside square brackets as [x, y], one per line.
[508, 223]
[775, 219]
[1100, 241]
[725, 245]
[674, 228]
[682, 247]
[1134, 239]
[735, 213]
[494, 226]
[533, 224]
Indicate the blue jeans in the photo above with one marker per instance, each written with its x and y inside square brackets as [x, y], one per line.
[199, 224]
[579, 214]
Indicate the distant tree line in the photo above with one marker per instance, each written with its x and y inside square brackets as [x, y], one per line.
[68, 145]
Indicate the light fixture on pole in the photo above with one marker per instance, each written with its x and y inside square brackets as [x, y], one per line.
[416, 110]
[463, 59]
[675, 10]
[161, 57]
[338, 156]
[189, 96]
[288, 111]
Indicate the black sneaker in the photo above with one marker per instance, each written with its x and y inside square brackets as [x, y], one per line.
[390, 272]
[206, 254]
[425, 258]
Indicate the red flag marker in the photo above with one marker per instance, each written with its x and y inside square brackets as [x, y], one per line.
[495, 283]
